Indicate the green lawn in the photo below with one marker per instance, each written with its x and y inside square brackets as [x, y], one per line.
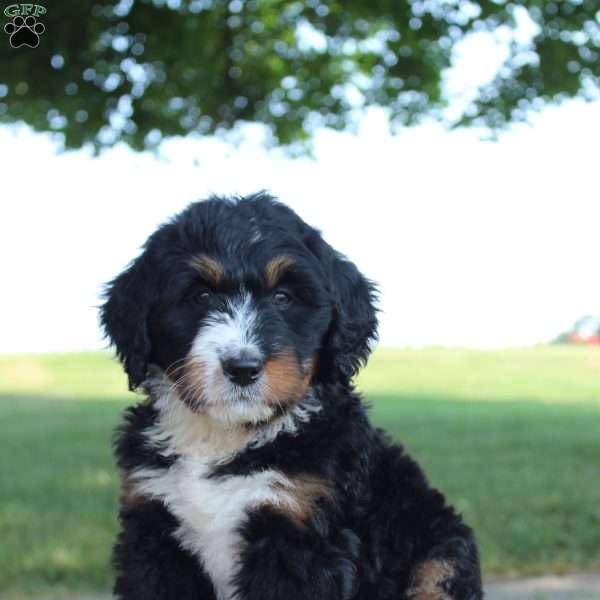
[512, 437]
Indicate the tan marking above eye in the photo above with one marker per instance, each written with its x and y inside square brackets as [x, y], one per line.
[211, 269]
[275, 269]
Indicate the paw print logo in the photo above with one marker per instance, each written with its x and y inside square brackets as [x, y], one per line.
[24, 31]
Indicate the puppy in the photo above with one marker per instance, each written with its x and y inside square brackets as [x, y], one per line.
[250, 471]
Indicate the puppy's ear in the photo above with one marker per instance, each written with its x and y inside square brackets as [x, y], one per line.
[124, 318]
[353, 328]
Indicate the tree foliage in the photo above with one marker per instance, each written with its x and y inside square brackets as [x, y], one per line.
[141, 70]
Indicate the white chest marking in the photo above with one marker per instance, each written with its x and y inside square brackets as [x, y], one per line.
[212, 510]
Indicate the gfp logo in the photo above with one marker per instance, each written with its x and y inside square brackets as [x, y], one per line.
[24, 29]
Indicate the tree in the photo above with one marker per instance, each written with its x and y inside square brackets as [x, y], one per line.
[141, 70]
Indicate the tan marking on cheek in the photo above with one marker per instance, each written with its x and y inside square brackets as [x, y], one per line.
[286, 380]
[275, 269]
[175, 371]
[428, 581]
[191, 382]
[304, 496]
[212, 270]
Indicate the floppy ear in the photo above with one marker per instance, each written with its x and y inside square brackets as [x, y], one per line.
[353, 328]
[124, 318]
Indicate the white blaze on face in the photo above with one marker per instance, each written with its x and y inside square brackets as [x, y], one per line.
[226, 335]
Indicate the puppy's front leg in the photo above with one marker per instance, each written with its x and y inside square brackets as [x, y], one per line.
[448, 565]
[286, 560]
[149, 562]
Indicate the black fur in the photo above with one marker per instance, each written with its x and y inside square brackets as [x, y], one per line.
[382, 523]
[152, 563]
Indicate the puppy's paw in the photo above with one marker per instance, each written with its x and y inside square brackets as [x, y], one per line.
[430, 581]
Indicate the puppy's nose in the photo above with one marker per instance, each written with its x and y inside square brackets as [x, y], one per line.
[243, 370]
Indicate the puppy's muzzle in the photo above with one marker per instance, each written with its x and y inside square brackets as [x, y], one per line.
[242, 370]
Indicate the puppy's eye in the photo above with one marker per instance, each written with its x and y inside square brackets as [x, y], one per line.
[281, 298]
[201, 297]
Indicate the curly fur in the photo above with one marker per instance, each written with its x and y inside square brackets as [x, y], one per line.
[279, 488]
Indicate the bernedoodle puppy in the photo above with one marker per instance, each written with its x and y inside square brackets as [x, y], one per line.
[250, 471]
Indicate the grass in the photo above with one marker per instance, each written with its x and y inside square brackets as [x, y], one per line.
[511, 437]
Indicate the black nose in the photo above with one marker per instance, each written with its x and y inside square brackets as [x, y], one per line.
[242, 371]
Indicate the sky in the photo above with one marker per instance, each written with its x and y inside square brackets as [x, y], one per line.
[473, 243]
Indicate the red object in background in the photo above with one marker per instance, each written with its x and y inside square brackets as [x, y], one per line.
[592, 340]
[586, 331]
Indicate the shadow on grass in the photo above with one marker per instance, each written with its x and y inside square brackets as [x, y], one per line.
[526, 475]
[59, 494]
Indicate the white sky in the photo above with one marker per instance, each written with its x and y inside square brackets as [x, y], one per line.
[473, 243]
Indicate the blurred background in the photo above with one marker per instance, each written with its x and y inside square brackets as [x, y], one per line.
[449, 148]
